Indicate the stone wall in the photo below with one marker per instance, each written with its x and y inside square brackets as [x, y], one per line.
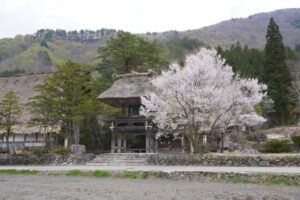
[45, 159]
[225, 159]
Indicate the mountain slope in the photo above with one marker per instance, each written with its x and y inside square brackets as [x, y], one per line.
[251, 30]
[46, 49]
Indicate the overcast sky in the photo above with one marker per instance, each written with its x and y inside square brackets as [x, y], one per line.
[27, 16]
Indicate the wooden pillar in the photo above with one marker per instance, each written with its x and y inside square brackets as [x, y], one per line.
[124, 142]
[182, 143]
[123, 110]
[147, 142]
[113, 142]
[119, 142]
[150, 143]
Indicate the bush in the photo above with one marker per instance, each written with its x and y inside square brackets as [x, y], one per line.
[74, 172]
[100, 173]
[21, 171]
[277, 146]
[38, 150]
[296, 140]
[129, 175]
[61, 150]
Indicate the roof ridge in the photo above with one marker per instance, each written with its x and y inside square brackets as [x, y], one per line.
[150, 73]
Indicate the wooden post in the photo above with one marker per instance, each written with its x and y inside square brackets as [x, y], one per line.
[222, 142]
[156, 145]
[147, 142]
[113, 142]
[182, 143]
[124, 143]
[119, 142]
[123, 110]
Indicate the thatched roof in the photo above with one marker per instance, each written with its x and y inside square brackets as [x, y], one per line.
[127, 89]
[23, 86]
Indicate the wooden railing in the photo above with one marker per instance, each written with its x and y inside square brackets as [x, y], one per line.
[20, 144]
[133, 119]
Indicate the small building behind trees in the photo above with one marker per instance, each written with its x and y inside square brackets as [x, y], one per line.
[22, 134]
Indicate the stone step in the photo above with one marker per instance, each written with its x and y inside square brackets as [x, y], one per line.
[125, 155]
[138, 161]
[116, 164]
[119, 159]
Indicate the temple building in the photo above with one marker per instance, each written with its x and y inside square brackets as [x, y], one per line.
[132, 132]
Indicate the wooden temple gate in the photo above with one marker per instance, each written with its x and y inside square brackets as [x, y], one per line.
[124, 128]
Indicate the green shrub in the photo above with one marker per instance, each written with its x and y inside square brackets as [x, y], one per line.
[61, 150]
[74, 172]
[100, 173]
[282, 181]
[296, 140]
[277, 146]
[145, 175]
[38, 150]
[130, 175]
[22, 171]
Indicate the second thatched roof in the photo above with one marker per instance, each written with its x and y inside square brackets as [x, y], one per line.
[23, 86]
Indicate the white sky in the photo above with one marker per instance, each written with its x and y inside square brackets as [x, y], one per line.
[27, 16]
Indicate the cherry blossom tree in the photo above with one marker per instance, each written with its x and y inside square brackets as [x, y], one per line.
[201, 98]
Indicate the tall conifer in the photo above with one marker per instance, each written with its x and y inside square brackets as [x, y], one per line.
[276, 74]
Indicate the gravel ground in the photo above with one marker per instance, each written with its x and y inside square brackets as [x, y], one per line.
[40, 187]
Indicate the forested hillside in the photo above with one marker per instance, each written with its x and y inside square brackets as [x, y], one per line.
[44, 50]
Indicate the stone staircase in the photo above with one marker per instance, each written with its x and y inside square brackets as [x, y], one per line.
[110, 159]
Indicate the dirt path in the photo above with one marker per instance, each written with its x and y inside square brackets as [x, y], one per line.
[19, 187]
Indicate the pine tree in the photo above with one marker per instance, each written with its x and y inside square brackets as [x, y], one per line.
[126, 52]
[66, 97]
[276, 74]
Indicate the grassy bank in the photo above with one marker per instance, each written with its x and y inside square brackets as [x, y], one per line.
[267, 179]
[22, 171]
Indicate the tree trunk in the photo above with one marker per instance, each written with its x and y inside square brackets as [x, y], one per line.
[76, 132]
[192, 148]
[7, 142]
[47, 138]
[222, 142]
[127, 67]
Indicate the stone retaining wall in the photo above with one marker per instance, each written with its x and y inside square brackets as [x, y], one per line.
[225, 160]
[161, 159]
[45, 159]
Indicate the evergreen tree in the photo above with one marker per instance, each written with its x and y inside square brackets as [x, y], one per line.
[276, 74]
[10, 110]
[245, 61]
[66, 97]
[125, 52]
[44, 114]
